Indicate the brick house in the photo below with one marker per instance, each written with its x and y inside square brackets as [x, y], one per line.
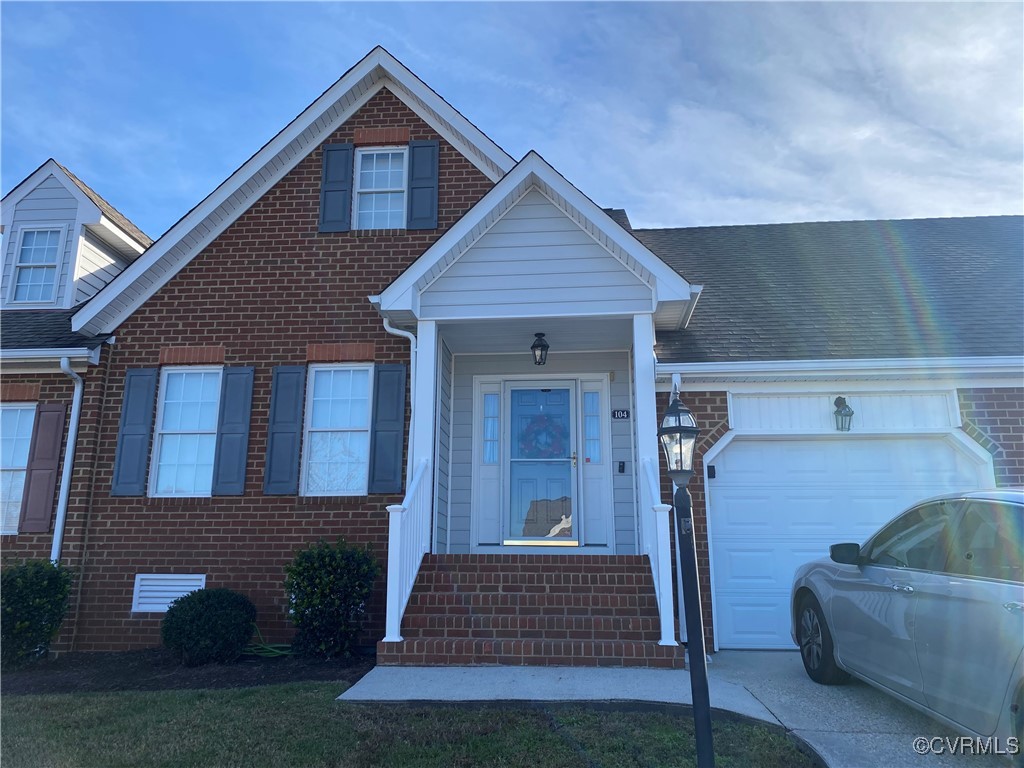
[337, 342]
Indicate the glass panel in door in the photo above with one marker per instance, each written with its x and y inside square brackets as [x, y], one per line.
[542, 467]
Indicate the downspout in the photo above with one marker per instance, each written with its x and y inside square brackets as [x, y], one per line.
[69, 460]
[412, 390]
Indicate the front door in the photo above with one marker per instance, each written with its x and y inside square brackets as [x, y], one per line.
[541, 493]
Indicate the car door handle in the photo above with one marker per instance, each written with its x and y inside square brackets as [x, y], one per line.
[902, 588]
[1014, 607]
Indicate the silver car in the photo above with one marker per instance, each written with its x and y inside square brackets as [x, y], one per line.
[929, 609]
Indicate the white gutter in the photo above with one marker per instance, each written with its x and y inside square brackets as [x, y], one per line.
[931, 366]
[69, 460]
[412, 387]
[91, 356]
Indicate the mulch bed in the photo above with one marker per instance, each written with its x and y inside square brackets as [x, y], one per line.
[155, 669]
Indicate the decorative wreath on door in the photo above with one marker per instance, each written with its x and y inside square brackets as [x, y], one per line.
[543, 438]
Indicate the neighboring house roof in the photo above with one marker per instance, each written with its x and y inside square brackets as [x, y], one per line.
[110, 211]
[43, 329]
[918, 288]
[193, 232]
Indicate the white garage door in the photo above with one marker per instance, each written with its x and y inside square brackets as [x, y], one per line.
[775, 504]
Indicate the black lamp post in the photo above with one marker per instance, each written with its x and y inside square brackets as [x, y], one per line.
[678, 435]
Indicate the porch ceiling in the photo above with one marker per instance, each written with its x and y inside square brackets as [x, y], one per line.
[564, 334]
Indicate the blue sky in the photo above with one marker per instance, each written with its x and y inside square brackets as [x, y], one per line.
[683, 113]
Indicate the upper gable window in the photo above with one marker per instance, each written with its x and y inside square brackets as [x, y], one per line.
[385, 187]
[380, 188]
[35, 266]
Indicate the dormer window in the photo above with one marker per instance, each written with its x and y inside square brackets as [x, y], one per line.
[380, 188]
[35, 266]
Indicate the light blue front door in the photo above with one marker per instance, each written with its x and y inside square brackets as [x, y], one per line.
[542, 466]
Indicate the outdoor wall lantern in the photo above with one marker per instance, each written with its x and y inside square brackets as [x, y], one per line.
[843, 414]
[539, 349]
[678, 435]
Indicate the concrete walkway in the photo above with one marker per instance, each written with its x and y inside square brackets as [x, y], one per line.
[850, 726]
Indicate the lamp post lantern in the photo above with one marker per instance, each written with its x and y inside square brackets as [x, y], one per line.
[678, 435]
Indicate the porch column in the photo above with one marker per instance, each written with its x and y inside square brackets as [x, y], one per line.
[424, 404]
[654, 526]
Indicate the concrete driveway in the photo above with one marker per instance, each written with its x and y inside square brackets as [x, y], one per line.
[851, 726]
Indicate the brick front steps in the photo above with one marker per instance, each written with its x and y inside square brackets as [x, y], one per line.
[540, 610]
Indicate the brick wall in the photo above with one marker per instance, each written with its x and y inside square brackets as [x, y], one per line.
[711, 410]
[995, 419]
[265, 290]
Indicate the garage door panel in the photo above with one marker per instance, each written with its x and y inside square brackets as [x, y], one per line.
[756, 620]
[778, 503]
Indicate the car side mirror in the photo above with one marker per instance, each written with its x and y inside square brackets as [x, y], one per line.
[846, 554]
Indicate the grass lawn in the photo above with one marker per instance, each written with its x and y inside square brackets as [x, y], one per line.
[300, 724]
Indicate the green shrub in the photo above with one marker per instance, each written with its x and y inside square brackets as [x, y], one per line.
[328, 587]
[33, 601]
[208, 625]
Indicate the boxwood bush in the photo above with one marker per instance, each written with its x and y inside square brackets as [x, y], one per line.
[33, 601]
[208, 625]
[328, 587]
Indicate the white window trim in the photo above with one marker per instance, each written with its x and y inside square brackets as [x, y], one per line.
[307, 419]
[11, 406]
[59, 273]
[404, 150]
[158, 433]
[147, 579]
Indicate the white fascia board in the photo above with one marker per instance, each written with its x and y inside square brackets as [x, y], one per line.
[130, 243]
[380, 67]
[91, 356]
[1008, 367]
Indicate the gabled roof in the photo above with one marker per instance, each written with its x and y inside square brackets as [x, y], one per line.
[193, 232]
[103, 219]
[674, 296]
[847, 290]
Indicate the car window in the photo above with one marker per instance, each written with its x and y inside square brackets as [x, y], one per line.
[989, 542]
[918, 539]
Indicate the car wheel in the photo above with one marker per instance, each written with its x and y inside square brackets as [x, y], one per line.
[815, 641]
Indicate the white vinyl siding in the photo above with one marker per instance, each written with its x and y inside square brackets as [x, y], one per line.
[16, 420]
[336, 443]
[443, 451]
[535, 261]
[186, 432]
[96, 267]
[379, 188]
[49, 206]
[154, 592]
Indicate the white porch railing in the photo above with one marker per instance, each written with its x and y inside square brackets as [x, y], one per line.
[654, 542]
[408, 541]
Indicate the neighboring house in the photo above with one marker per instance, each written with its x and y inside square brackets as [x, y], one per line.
[61, 244]
[337, 343]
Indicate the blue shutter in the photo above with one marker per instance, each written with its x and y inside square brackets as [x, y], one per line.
[387, 429]
[284, 431]
[41, 472]
[423, 185]
[134, 432]
[232, 431]
[336, 188]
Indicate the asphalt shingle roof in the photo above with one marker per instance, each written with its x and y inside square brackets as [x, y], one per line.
[110, 211]
[912, 288]
[42, 329]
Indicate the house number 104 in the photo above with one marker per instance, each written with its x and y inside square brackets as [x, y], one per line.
[620, 414]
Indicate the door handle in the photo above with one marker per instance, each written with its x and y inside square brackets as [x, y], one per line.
[902, 588]
[1014, 607]
[573, 457]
